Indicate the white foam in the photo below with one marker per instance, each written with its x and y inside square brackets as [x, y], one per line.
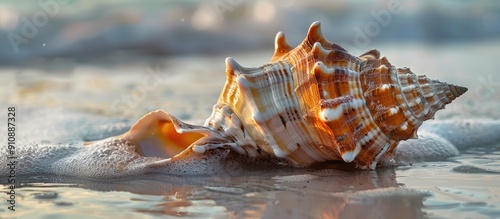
[114, 158]
[109, 158]
[63, 153]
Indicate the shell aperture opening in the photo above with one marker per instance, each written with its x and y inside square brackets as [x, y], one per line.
[157, 134]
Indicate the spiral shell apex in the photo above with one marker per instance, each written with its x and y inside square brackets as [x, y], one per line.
[312, 103]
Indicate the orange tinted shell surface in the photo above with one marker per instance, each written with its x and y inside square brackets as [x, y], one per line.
[317, 102]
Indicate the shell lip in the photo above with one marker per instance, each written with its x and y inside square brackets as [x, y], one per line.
[160, 135]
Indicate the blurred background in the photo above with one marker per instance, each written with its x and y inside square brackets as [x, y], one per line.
[53, 51]
[111, 29]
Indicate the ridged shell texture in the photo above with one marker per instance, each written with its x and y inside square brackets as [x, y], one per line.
[316, 102]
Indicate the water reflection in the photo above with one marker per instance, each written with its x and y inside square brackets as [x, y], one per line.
[318, 192]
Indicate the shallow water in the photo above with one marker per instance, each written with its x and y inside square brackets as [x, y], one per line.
[98, 101]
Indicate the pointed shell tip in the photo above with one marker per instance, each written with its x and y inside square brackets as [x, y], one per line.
[316, 23]
[281, 43]
[315, 33]
[457, 90]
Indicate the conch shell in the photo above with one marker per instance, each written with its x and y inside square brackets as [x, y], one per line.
[312, 103]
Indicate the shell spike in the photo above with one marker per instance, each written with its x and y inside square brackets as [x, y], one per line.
[281, 46]
[233, 67]
[320, 68]
[372, 54]
[315, 34]
[319, 51]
